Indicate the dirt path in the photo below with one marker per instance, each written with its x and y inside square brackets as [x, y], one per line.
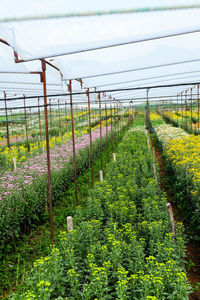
[192, 247]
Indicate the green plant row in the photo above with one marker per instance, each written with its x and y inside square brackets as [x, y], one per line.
[181, 154]
[121, 246]
[27, 205]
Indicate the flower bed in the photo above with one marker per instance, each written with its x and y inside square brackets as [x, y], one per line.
[23, 193]
[121, 246]
[155, 119]
[183, 153]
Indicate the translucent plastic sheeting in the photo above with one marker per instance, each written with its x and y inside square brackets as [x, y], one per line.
[43, 38]
[51, 37]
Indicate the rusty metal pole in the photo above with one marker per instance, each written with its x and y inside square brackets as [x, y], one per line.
[90, 133]
[99, 96]
[111, 124]
[177, 110]
[198, 105]
[118, 122]
[47, 148]
[7, 126]
[191, 109]
[186, 109]
[30, 117]
[107, 133]
[59, 115]
[26, 129]
[182, 108]
[73, 142]
[39, 118]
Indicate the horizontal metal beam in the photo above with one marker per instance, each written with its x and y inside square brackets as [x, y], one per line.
[99, 13]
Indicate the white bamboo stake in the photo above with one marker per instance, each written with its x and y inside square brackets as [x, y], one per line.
[101, 175]
[171, 217]
[69, 223]
[15, 164]
[114, 156]
[148, 143]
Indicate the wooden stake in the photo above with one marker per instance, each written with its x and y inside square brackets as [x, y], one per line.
[114, 156]
[69, 224]
[171, 217]
[15, 164]
[148, 143]
[101, 175]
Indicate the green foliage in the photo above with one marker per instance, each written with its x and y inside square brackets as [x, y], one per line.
[121, 246]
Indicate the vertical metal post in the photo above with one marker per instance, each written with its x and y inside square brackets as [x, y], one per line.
[47, 148]
[90, 133]
[26, 129]
[177, 110]
[191, 108]
[118, 122]
[111, 124]
[115, 127]
[198, 105]
[30, 118]
[39, 118]
[107, 133]
[147, 111]
[182, 108]
[73, 141]
[59, 114]
[99, 96]
[186, 109]
[7, 126]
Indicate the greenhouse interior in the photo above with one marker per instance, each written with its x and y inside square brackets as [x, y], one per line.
[100, 150]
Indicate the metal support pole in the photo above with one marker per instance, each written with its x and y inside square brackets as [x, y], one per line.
[47, 148]
[59, 114]
[7, 126]
[111, 127]
[30, 118]
[177, 110]
[26, 129]
[107, 133]
[90, 133]
[118, 122]
[186, 109]
[73, 141]
[191, 109]
[115, 126]
[198, 105]
[99, 96]
[39, 118]
[182, 108]
[147, 111]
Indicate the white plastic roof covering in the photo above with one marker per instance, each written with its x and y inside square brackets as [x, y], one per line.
[50, 37]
